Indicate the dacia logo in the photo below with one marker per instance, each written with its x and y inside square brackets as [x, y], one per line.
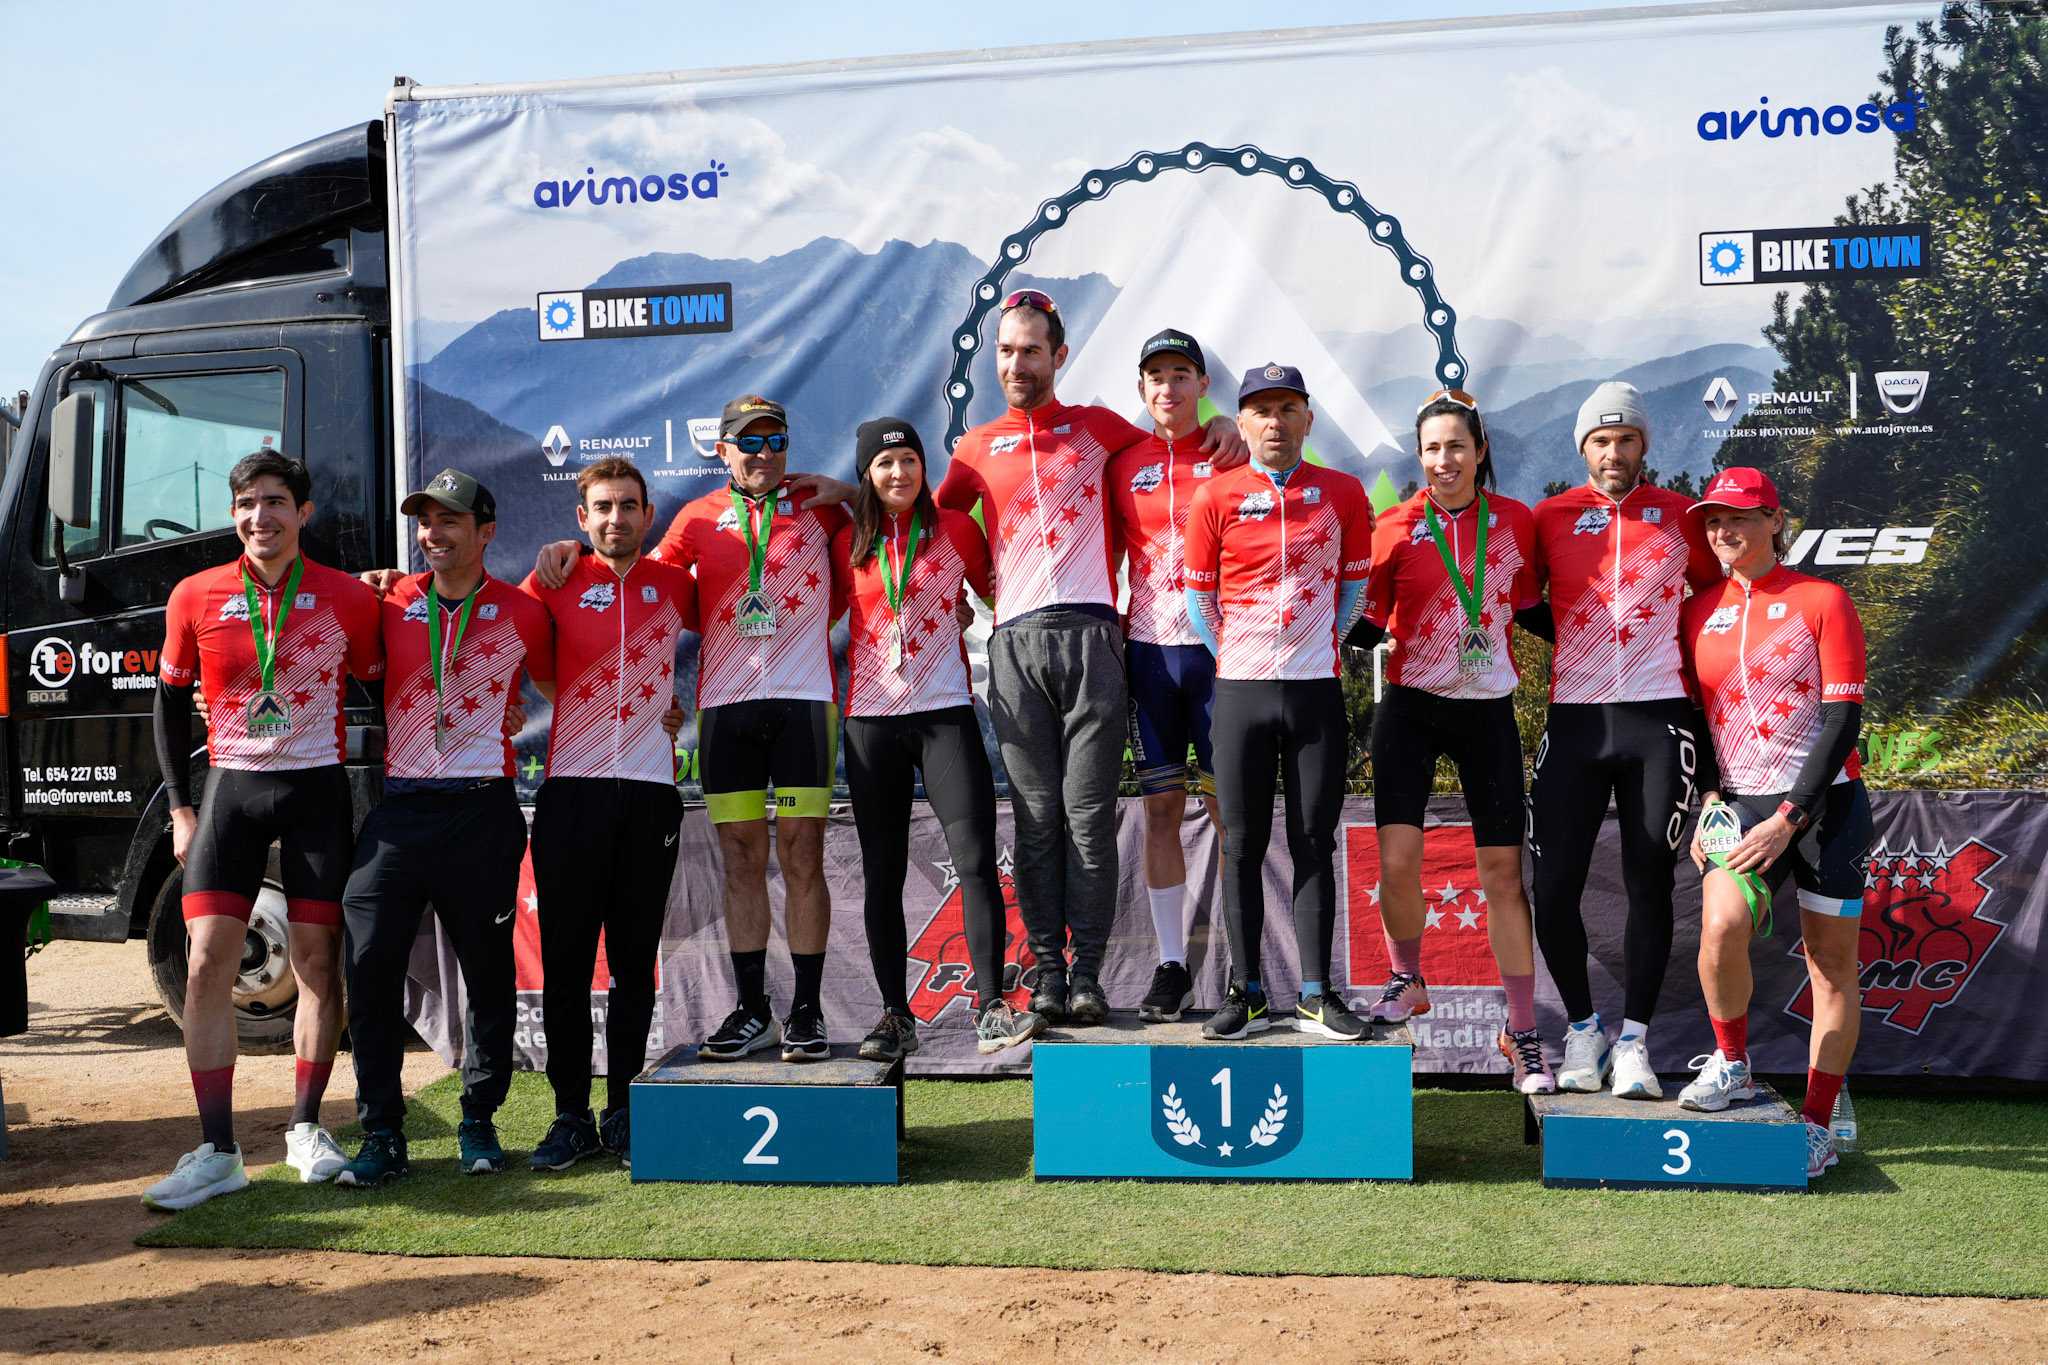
[1721, 622]
[1591, 522]
[235, 609]
[1148, 478]
[1256, 506]
[597, 597]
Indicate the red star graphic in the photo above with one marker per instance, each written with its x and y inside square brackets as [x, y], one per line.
[488, 648]
[457, 664]
[1783, 649]
[608, 675]
[326, 676]
[1783, 708]
[470, 704]
[792, 603]
[1486, 618]
[635, 653]
[1426, 630]
[1735, 697]
[1801, 686]
[667, 668]
[1621, 636]
[911, 646]
[1583, 617]
[1646, 613]
[1022, 507]
[647, 691]
[585, 692]
[626, 711]
[1658, 552]
[1070, 514]
[725, 615]
[1088, 492]
[497, 687]
[1763, 730]
[1757, 672]
[1630, 577]
[928, 625]
[1669, 591]
[302, 698]
[1052, 540]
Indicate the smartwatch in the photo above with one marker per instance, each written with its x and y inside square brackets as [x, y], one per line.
[1793, 815]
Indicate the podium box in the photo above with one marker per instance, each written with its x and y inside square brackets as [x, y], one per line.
[765, 1121]
[1604, 1141]
[1128, 1100]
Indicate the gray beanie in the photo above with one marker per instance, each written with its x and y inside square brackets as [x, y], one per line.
[1613, 404]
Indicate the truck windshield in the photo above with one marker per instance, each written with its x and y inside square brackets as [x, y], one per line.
[180, 435]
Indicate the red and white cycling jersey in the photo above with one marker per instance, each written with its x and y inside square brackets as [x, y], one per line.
[1618, 569]
[796, 577]
[933, 674]
[330, 631]
[508, 635]
[1275, 557]
[1410, 595]
[1038, 478]
[1762, 658]
[1152, 486]
[615, 667]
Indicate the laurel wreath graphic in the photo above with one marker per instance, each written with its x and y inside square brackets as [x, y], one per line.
[1184, 1130]
[1267, 1130]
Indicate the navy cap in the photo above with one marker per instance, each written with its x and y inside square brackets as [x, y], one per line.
[1270, 376]
[1172, 342]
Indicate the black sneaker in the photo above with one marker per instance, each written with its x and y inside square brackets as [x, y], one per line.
[803, 1035]
[1086, 1004]
[477, 1149]
[381, 1158]
[747, 1029]
[1172, 989]
[615, 1134]
[895, 1036]
[1243, 1014]
[1049, 996]
[571, 1137]
[1328, 1015]
[998, 1026]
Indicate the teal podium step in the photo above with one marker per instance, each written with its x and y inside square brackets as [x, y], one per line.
[1603, 1141]
[1159, 1102]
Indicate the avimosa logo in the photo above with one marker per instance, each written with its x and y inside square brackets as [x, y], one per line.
[629, 189]
[1800, 120]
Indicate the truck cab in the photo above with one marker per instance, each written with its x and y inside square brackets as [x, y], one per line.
[259, 318]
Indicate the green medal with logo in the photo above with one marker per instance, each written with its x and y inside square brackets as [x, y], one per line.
[1720, 831]
[755, 619]
[269, 714]
[1475, 645]
[894, 585]
[441, 722]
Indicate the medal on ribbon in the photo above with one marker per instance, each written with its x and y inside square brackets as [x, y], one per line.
[268, 714]
[1475, 642]
[755, 619]
[895, 583]
[442, 726]
[1719, 833]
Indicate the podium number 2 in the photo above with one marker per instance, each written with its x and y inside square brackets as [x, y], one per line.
[1681, 1146]
[755, 1155]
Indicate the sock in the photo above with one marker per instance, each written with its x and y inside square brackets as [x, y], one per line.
[1311, 989]
[810, 978]
[1169, 903]
[1635, 1028]
[1521, 1000]
[1591, 1021]
[1821, 1089]
[750, 974]
[1732, 1037]
[310, 1084]
[215, 1091]
[1405, 954]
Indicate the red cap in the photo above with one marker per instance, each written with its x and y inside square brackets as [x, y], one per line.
[1740, 487]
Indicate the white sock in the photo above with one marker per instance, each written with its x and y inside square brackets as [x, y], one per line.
[1168, 906]
[1635, 1028]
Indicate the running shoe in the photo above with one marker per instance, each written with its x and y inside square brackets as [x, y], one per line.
[1049, 996]
[615, 1133]
[1243, 1014]
[1586, 1058]
[1524, 1051]
[1328, 1015]
[1820, 1150]
[895, 1036]
[747, 1029]
[1720, 1081]
[803, 1035]
[998, 1026]
[380, 1159]
[1172, 990]
[571, 1137]
[1086, 1004]
[199, 1175]
[1404, 997]
[312, 1151]
[1633, 1078]
[477, 1148]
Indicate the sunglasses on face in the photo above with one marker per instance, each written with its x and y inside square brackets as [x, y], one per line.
[1458, 396]
[1030, 298]
[755, 444]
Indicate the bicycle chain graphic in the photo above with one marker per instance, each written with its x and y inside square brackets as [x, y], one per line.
[1295, 172]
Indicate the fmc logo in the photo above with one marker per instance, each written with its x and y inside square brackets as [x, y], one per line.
[939, 952]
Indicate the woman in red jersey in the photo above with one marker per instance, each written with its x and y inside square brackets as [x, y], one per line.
[1776, 659]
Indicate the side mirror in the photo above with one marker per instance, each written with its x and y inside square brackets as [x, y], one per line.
[72, 455]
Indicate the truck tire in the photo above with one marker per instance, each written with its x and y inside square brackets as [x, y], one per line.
[266, 993]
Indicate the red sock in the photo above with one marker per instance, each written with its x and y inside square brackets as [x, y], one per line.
[215, 1091]
[310, 1087]
[1732, 1037]
[1821, 1089]
[1521, 1000]
[1405, 954]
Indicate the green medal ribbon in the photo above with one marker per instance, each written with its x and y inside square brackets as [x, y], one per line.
[894, 588]
[757, 550]
[434, 637]
[1472, 596]
[1718, 822]
[266, 649]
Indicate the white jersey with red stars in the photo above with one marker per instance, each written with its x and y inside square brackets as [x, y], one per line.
[1038, 478]
[795, 662]
[508, 635]
[933, 673]
[1410, 595]
[1152, 487]
[1618, 569]
[1762, 658]
[1274, 557]
[615, 667]
[330, 631]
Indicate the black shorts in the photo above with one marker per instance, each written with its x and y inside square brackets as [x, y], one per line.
[1412, 728]
[1825, 861]
[746, 747]
[307, 811]
[1173, 698]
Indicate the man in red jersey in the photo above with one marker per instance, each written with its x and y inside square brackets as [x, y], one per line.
[271, 640]
[449, 831]
[1619, 555]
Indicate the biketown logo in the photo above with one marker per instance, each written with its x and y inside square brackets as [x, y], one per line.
[654, 310]
[613, 190]
[1901, 116]
[1925, 930]
[1895, 251]
[558, 447]
[939, 952]
[53, 664]
[1850, 546]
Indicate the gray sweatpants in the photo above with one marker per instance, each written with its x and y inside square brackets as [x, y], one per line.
[1056, 694]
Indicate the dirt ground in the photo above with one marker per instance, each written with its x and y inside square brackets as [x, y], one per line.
[102, 1080]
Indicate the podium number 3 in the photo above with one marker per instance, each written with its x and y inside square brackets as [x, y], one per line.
[756, 1156]
[1681, 1146]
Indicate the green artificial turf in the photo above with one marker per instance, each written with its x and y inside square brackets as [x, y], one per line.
[1947, 1196]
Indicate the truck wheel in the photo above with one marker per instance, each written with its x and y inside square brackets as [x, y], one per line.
[266, 992]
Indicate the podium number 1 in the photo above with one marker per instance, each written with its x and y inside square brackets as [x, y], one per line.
[1681, 1146]
[755, 1155]
[1221, 1080]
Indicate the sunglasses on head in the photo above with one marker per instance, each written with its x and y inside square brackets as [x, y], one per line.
[755, 444]
[1458, 396]
[1030, 298]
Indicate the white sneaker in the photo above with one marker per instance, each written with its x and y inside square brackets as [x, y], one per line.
[1720, 1081]
[200, 1174]
[1586, 1057]
[312, 1151]
[1820, 1150]
[1633, 1078]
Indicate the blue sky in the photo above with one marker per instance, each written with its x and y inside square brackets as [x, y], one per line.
[111, 129]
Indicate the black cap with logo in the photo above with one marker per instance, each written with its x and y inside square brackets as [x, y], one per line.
[1267, 377]
[742, 412]
[1172, 342]
[456, 491]
[884, 433]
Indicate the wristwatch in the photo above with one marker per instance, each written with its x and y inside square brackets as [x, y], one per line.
[1794, 816]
